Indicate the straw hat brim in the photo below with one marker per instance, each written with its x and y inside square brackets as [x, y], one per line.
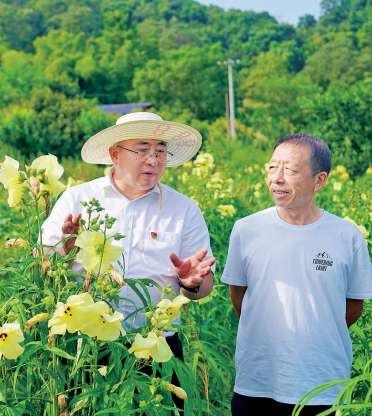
[182, 141]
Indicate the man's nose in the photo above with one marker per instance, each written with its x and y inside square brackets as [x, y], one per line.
[152, 158]
[278, 175]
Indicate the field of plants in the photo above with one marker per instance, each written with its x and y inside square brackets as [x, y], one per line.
[61, 61]
[51, 371]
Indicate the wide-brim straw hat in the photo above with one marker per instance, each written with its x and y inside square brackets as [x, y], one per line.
[182, 141]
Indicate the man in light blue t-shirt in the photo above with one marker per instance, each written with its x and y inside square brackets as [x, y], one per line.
[298, 276]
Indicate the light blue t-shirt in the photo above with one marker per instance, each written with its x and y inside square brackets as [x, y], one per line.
[292, 333]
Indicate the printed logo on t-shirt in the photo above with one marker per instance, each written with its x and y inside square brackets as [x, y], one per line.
[322, 261]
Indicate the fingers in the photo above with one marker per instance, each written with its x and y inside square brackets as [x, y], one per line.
[177, 262]
[200, 254]
[71, 224]
[208, 263]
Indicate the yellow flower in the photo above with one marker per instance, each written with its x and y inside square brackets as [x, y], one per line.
[362, 228]
[53, 171]
[340, 169]
[93, 249]
[226, 210]
[102, 324]
[152, 346]
[204, 159]
[16, 242]
[337, 186]
[9, 177]
[10, 336]
[172, 308]
[70, 316]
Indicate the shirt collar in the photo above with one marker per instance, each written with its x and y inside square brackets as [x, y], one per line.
[107, 181]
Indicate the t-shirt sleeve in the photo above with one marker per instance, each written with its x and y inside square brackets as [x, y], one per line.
[360, 280]
[235, 272]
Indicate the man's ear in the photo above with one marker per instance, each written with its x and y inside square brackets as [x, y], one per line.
[114, 151]
[321, 180]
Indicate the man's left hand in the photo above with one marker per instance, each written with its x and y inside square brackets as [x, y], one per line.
[191, 271]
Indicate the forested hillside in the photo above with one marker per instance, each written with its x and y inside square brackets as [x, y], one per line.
[61, 58]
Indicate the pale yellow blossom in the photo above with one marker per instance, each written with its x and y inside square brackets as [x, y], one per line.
[337, 186]
[204, 159]
[53, 171]
[184, 177]
[152, 346]
[362, 228]
[9, 177]
[100, 323]
[340, 169]
[171, 307]
[226, 210]
[94, 255]
[10, 337]
[70, 316]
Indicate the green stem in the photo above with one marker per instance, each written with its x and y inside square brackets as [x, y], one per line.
[54, 397]
[40, 246]
[3, 370]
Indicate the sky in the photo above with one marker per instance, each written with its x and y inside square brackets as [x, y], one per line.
[284, 11]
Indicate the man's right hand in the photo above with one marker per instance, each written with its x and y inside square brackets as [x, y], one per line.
[70, 226]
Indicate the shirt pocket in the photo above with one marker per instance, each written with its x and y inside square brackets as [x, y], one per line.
[156, 249]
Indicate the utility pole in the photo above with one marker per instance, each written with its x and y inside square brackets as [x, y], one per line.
[230, 63]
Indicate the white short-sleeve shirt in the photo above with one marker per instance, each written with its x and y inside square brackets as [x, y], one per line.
[173, 218]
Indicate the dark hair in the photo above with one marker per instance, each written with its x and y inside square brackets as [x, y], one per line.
[320, 158]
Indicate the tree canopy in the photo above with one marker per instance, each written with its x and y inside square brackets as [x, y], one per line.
[60, 59]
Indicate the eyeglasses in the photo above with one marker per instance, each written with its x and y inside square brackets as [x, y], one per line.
[162, 156]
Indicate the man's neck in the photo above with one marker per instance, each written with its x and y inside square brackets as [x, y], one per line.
[300, 216]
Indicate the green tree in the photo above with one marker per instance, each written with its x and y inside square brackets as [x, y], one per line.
[50, 122]
[185, 78]
[342, 117]
[19, 26]
[19, 75]
[269, 90]
[338, 61]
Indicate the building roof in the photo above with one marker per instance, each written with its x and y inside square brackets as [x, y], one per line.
[123, 108]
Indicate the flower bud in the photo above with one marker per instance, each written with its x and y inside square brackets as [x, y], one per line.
[50, 338]
[35, 185]
[62, 402]
[177, 391]
[117, 276]
[87, 280]
[45, 266]
[40, 317]
[16, 242]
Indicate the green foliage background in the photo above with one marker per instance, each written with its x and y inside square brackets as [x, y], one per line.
[61, 59]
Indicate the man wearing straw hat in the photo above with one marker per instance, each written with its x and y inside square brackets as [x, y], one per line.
[166, 238]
